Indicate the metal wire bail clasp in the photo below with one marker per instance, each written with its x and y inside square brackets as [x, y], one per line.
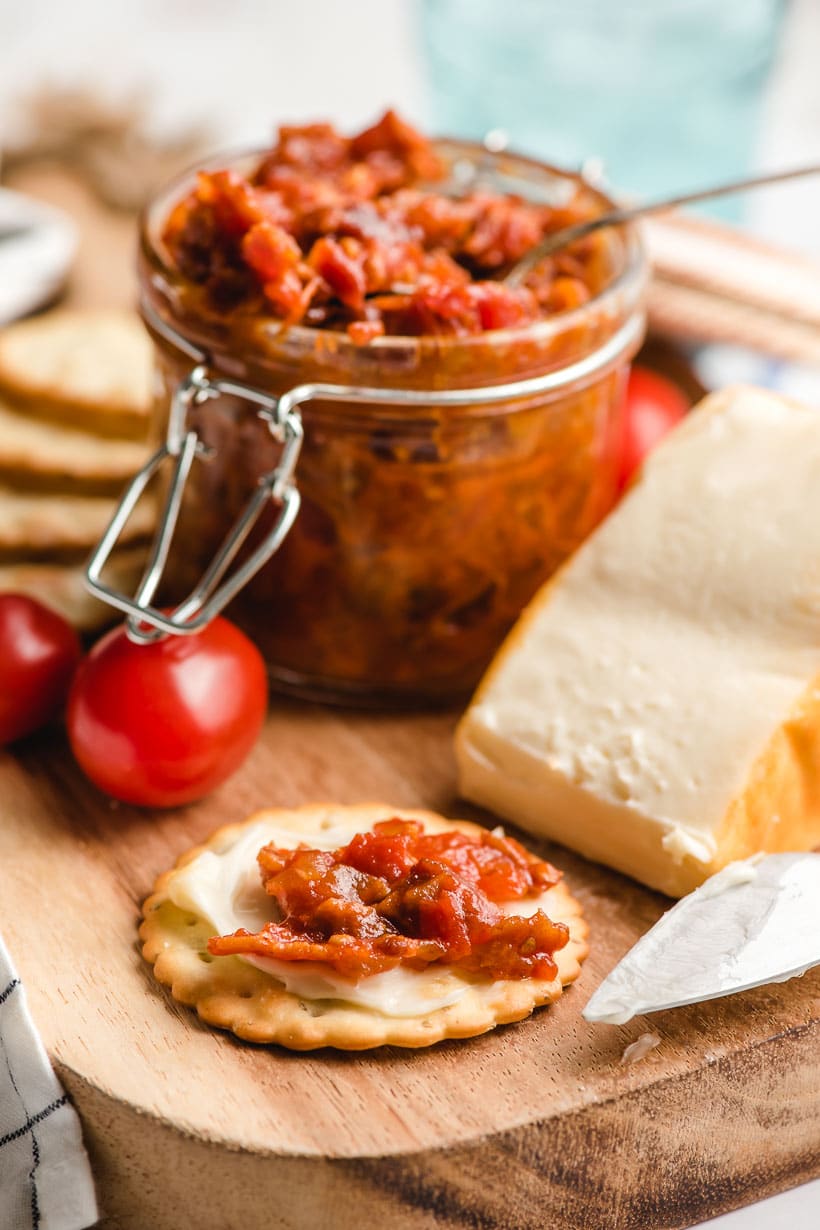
[183, 446]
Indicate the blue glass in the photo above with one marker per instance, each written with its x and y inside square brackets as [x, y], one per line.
[666, 92]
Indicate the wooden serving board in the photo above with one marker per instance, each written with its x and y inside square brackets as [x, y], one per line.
[536, 1125]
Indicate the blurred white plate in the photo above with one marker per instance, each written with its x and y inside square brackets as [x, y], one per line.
[37, 247]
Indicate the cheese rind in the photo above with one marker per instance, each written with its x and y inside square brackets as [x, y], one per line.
[657, 707]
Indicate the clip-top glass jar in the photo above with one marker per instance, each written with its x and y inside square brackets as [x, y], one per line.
[425, 526]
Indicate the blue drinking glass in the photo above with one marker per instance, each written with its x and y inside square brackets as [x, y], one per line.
[667, 93]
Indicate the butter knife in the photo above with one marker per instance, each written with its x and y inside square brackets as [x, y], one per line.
[757, 921]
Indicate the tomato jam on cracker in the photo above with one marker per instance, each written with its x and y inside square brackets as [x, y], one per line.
[396, 895]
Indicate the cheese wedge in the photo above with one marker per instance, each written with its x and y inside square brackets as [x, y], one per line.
[657, 706]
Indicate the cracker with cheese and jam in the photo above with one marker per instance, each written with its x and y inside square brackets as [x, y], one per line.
[657, 706]
[362, 926]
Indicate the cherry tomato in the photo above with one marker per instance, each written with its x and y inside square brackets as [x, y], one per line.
[653, 406]
[164, 723]
[39, 652]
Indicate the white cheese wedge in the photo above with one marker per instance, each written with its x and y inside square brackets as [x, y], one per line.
[657, 706]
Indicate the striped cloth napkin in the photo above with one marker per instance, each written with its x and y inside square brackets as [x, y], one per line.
[45, 1178]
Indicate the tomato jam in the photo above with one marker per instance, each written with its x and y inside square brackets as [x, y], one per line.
[336, 232]
[378, 261]
[399, 896]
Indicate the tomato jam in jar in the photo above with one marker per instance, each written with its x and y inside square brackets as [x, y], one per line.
[375, 264]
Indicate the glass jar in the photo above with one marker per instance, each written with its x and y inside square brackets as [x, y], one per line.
[424, 527]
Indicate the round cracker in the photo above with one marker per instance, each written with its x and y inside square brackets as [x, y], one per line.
[42, 524]
[48, 451]
[62, 586]
[234, 995]
[86, 368]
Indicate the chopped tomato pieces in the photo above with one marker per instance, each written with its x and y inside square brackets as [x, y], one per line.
[349, 232]
[269, 250]
[340, 263]
[397, 895]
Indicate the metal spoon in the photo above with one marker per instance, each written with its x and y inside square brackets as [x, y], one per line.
[614, 217]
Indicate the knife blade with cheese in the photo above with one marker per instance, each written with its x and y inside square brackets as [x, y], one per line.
[757, 921]
[657, 706]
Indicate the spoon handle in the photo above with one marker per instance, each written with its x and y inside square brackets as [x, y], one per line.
[614, 217]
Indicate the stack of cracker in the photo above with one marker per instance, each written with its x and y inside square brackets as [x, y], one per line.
[75, 403]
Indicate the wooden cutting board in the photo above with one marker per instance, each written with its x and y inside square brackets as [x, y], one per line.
[539, 1124]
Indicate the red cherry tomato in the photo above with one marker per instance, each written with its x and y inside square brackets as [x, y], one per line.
[39, 651]
[653, 406]
[165, 723]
